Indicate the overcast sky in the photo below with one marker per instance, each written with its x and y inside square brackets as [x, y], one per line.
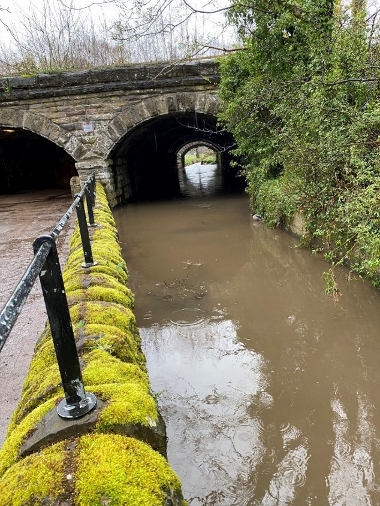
[106, 10]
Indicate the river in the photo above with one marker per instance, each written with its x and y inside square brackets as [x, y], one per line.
[269, 388]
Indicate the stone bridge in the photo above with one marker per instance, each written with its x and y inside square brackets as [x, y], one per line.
[129, 124]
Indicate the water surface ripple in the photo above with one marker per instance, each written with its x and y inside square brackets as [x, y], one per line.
[269, 389]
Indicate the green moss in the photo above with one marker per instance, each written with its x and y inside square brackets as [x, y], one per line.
[114, 270]
[102, 211]
[126, 472]
[102, 368]
[70, 272]
[38, 479]
[105, 253]
[42, 381]
[17, 434]
[75, 239]
[97, 234]
[75, 274]
[101, 279]
[127, 403]
[104, 231]
[105, 313]
[121, 344]
[125, 386]
[94, 293]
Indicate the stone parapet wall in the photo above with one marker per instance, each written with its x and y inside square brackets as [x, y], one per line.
[116, 454]
[131, 77]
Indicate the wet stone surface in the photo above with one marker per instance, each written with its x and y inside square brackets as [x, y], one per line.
[23, 217]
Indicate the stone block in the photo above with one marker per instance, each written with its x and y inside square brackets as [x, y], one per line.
[75, 148]
[116, 129]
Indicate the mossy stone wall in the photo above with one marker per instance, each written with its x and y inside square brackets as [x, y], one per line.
[116, 456]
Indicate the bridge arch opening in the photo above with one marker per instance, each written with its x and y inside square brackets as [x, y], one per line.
[30, 162]
[202, 152]
[200, 169]
[147, 162]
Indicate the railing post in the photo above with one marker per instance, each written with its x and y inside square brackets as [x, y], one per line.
[77, 402]
[92, 186]
[87, 251]
[89, 203]
[90, 199]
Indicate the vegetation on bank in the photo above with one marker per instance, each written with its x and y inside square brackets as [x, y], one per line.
[207, 156]
[302, 100]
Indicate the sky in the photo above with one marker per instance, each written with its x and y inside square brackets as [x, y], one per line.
[99, 9]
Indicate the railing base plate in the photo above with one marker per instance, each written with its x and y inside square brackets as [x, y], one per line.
[90, 264]
[77, 410]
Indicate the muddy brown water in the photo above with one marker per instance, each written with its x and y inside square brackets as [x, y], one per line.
[269, 389]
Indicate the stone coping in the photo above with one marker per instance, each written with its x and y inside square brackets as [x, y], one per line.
[130, 77]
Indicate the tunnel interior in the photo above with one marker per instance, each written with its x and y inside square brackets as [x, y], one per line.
[146, 159]
[30, 162]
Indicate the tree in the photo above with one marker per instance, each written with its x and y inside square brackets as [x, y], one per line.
[302, 104]
[60, 35]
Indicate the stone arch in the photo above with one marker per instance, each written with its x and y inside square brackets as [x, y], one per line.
[160, 105]
[139, 146]
[44, 127]
[189, 145]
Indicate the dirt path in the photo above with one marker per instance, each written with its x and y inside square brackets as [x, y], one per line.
[23, 217]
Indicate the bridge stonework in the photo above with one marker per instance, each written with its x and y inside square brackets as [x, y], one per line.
[89, 113]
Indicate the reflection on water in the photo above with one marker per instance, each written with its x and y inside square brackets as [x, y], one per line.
[200, 180]
[203, 403]
[270, 390]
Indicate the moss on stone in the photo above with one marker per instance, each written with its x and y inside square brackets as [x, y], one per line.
[126, 472]
[42, 381]
[128, 404]
[104, 231]
[112, 270]
[105, 313]
[75, 239]
[102, 368]
[121, 344]
[124, 385]
[94, 470]
[99, 293]
[105, 253]
[102, 279]
[17, 432]
[101, 211]
[38, 479]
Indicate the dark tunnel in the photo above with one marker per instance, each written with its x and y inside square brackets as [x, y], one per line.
[148, 154]
[31, 162]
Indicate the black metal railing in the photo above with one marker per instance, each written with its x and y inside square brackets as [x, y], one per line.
[45, 264]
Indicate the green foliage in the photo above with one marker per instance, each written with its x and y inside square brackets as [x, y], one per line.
[207, 157]
[302, 103]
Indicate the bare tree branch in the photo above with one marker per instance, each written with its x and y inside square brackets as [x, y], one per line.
[223, 9]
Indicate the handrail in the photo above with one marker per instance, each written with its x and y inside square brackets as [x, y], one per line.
[45, 264]
[12, 308]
